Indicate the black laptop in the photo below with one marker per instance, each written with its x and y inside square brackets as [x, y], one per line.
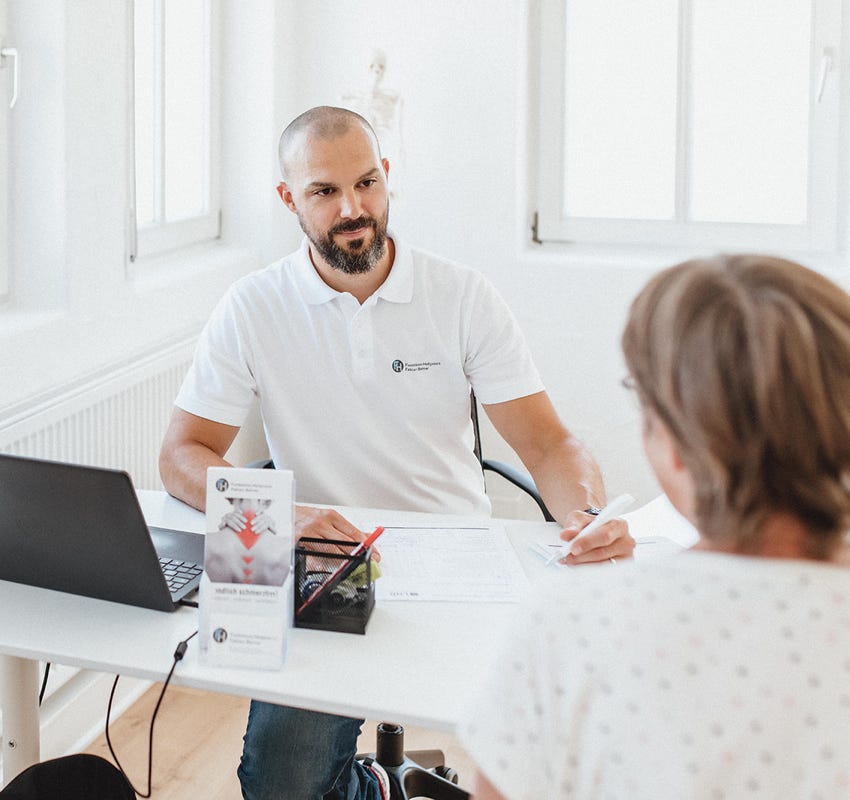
[80, 529]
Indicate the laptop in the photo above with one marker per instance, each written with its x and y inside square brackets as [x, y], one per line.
[80, 529]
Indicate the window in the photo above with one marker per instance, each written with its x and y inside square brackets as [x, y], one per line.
[8, 81]
[175, 124]
[688, 123]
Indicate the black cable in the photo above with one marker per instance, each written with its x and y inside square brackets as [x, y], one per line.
[190, 603]
[44, 682]
[179, 652]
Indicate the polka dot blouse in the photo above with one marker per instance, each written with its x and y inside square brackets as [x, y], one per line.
[702, 676]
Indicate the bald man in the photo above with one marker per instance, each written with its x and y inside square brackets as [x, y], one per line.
[362, 352]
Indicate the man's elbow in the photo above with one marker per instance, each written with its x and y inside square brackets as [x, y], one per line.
[168, 472]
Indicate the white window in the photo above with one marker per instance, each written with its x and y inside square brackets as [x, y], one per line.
[689, 123]
[8, 81]
[176, 124]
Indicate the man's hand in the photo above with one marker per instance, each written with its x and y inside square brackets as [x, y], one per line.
[325, 523]
[611, 540]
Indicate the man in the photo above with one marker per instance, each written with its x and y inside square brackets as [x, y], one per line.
[362, 352]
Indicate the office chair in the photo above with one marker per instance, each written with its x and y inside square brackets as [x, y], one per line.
[519, 478]
[424, 772]
[415, 773]
[76, 777]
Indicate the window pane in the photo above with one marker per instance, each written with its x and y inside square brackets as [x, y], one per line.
[186, 108]
[144, 27]
[622, 66]
[750, 111]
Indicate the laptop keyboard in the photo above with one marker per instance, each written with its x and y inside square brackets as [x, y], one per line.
[179, 573]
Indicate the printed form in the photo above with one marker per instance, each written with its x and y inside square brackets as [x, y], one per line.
[449, 564]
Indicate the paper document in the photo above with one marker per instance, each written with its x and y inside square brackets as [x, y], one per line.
[657, 527]
[449, 564]
[658, 518]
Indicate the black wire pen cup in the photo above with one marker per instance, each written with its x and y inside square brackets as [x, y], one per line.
[334, 590]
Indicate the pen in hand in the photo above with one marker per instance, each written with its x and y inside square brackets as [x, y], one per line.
[613, 510]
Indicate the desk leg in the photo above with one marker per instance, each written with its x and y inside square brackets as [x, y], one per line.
[19, 703]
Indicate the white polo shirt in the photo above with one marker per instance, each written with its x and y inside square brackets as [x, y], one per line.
[368, 405]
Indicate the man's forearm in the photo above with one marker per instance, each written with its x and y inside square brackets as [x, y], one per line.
[568, 479]
[184, 472]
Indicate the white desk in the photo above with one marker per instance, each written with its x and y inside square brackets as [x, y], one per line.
[406, 667]
[413, 665]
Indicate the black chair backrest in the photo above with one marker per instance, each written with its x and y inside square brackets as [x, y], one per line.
[473, 413]
[519, 478]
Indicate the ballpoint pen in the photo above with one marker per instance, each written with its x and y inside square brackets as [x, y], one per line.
[616, 507]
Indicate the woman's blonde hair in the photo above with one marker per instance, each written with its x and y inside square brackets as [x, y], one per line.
[746, 359]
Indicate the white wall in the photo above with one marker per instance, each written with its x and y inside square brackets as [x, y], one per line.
[461, 68]
[78, 308]
[462, 71]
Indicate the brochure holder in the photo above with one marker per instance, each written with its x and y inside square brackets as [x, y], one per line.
[246, 597]
[333, 590]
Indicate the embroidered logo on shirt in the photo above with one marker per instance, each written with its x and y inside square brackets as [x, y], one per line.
[419, 366]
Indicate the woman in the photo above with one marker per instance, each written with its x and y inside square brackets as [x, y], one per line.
[724, 672]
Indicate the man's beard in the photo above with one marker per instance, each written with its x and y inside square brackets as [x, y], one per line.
[351, 259]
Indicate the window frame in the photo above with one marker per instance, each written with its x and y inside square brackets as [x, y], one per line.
[548, 192]
[163, 236]
[7, 77]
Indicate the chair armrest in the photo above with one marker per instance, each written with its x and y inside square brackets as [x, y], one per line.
[522, 480]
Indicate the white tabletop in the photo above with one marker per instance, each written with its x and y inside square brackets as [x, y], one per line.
[413, 666]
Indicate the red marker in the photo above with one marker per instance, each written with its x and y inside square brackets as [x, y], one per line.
[344, 569]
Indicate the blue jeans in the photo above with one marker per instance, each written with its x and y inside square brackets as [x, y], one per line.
[292, 754]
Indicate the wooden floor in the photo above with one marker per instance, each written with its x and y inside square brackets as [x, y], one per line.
[198, 740]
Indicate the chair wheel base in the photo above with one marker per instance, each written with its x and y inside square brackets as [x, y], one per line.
[417, 773]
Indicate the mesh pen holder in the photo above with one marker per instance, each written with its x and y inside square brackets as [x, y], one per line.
[334, 590]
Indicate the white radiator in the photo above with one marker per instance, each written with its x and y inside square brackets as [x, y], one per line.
[115, 419]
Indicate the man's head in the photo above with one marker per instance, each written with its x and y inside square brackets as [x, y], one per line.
[742, 367]
[335, 181]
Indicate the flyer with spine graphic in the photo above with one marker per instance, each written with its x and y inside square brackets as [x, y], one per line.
[246, 590]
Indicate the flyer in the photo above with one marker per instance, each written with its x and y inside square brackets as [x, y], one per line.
[246, 590]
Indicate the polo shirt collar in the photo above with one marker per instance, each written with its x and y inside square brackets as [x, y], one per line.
[397, 288]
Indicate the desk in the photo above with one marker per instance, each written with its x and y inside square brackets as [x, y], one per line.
[407, 666]
[413, 665]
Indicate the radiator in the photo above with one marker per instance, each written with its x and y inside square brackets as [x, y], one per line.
[114, 419]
